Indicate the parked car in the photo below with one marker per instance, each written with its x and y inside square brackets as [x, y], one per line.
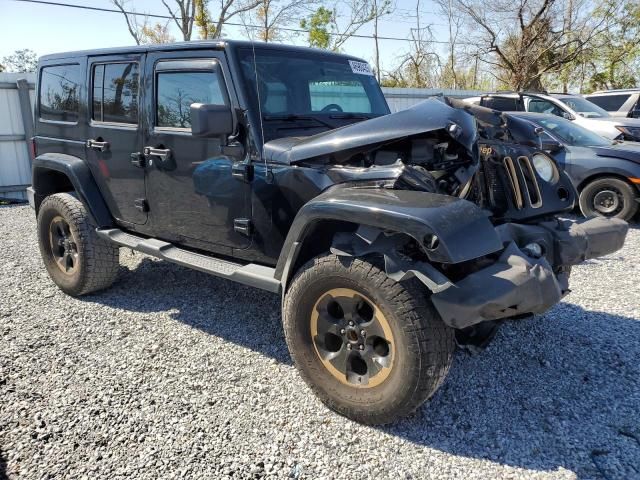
[572, 107]
[280, 167]
[618, 103]
[606, 173]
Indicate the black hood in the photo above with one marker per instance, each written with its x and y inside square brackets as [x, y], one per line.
[626, 151]
[427, 116]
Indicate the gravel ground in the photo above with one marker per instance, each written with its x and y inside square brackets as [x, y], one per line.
[176, 374]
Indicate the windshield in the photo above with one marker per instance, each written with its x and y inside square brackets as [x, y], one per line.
[584, 107]
[572, 134]
[309, 91]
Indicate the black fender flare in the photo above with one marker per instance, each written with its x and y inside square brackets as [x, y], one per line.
[450, 229]
[80, 177]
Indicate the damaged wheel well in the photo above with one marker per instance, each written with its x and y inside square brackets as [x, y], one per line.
[319, 239]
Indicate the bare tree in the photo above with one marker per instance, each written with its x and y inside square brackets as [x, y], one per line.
[454, 22]
[271, 16]
[421, 66]
[211, 26]
[183, 16]
[330, 28]
[131, 17]
[525, 39]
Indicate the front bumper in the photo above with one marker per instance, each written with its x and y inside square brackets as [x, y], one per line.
[517, 283]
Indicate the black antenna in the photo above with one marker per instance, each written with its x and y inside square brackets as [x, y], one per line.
[255, 71]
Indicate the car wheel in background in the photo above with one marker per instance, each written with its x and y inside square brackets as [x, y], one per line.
[609, 197]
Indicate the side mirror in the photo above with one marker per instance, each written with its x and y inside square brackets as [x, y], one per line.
[551, 146]
[208, 120]
[568, 116]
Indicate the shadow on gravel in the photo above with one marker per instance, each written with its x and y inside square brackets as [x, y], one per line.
[555, 391]
[3, 467]
[561, 390]
[245, 316]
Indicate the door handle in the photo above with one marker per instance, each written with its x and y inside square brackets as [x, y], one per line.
[98, 145]
[163, 154]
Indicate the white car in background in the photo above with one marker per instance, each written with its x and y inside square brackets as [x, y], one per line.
[572, 107]
[619, 103]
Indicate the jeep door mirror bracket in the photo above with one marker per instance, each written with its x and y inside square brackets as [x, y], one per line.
[209, 120]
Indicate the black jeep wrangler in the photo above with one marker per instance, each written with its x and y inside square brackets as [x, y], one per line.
[389, 236]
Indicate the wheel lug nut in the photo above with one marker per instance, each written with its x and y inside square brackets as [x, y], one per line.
[342, 330]
[348, 346]
[360, 347]
[363, 333]
[351, 323]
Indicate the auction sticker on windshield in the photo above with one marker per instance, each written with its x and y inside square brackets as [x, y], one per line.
[362, 68]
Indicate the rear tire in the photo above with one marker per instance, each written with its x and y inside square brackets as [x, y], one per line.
[78, 261]
[609, 197]
[401, 329]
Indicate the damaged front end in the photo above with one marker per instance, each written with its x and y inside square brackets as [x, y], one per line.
[483, 234]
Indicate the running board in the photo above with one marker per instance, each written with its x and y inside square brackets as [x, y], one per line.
[250, 274]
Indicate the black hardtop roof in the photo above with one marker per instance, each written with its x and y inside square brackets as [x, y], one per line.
[194, 45]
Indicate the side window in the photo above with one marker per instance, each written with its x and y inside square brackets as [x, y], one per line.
[350, 96]
[611, 103]
[59, 93]
[502, 104]
[115, 93]
[543, 106]
[177, 90]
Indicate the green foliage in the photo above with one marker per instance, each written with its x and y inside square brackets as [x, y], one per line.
[616, 62]
[319, 26]
[203, 21]
[22, 61]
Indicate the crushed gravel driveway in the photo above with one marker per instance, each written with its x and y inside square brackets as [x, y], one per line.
[175, 374]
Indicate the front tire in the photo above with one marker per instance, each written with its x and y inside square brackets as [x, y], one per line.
[371, 348]
[77, 260]
[608, 197]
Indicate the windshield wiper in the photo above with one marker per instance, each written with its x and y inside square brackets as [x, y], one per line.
[292, 117]
[348, 115]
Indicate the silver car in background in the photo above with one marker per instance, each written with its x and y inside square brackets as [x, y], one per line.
[572, 107]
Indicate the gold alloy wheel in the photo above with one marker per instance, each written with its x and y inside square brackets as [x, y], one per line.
[352, 338]
[64, 247]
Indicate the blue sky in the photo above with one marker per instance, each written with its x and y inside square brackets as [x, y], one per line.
[48, 29]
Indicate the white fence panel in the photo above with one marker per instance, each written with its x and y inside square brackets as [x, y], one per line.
[15, 167]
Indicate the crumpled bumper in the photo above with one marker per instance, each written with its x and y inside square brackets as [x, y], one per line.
[517, 283]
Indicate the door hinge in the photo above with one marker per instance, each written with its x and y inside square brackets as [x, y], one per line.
[142, 205]
[242, 226]
[138, 159]
[242, 171]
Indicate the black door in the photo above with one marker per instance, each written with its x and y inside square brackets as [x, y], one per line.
[114, 134]
[191, 193]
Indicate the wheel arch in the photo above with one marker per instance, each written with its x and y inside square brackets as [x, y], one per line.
[59, 173]
[605, 174]
[415, 215]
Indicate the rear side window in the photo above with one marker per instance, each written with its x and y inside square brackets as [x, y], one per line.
[178, 90]
[115, 93]
[502, 104]
[60, 92]
[611, 103]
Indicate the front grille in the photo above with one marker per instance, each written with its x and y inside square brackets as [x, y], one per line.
[521, 177]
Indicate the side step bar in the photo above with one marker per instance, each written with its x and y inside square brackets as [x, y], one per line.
[250, 274]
